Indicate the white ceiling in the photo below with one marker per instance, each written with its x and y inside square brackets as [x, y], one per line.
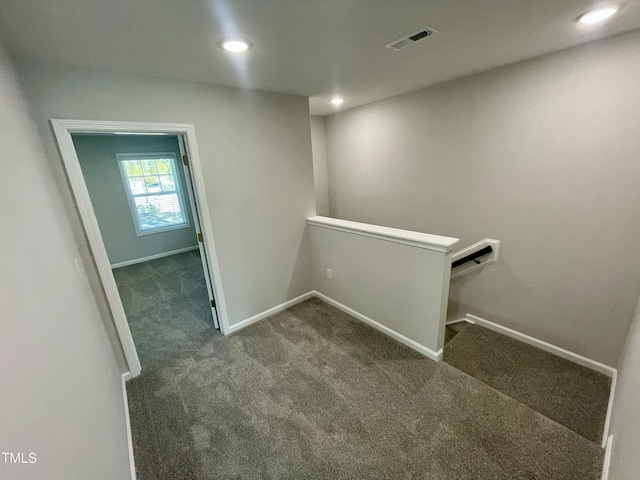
[315, 48]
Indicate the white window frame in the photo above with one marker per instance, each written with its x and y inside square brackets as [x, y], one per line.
[131, 197]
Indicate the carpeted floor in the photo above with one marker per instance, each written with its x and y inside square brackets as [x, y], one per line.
[311, 393]
[452, 330]
[166, 301]
[572, 395]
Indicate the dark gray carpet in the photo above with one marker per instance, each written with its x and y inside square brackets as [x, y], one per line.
[311, 393]
[165, 300]
[572, 395]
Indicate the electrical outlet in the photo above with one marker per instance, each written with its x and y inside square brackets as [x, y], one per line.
[329, 274]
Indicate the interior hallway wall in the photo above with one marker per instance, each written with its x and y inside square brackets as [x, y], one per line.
[320, 175]
[625, 421]
[61, 386]
[542, 155]
[97, 156]
[255, 151]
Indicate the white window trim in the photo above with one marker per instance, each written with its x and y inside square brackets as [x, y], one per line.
[131, 197]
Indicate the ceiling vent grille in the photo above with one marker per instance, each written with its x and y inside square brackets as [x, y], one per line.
[410, 39]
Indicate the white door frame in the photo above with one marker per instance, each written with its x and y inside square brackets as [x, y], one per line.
[195, 212]
[62, 130]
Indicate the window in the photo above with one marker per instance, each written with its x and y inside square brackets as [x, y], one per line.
[152, 184]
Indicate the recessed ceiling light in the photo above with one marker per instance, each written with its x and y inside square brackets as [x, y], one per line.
[235, 46]
[598, 15]
[337, 100]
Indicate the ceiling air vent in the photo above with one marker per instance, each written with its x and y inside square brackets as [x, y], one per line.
[410, 39]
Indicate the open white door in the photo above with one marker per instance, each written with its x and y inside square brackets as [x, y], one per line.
[196, 222]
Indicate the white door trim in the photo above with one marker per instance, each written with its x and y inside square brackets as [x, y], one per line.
[195, 212]
[127, 418]
[62, 130]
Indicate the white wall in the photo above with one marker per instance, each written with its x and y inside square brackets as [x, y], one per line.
[625, 421]
[255, 150]
[542, 155]
[97, 156]
[61, 386]
[320, 175]
[399, 286]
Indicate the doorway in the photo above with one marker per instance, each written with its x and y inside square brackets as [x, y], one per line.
[140, 195]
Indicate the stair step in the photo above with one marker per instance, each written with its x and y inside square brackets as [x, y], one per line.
[448, 335]
[453, 329]
[569, 394]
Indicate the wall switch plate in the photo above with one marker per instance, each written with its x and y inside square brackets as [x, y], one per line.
[329, 274]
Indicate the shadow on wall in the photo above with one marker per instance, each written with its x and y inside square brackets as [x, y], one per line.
[301, 273]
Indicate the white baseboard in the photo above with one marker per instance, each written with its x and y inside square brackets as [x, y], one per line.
[126, 377]
[607, 422]
[267, 313]
[460, 320]
[607, 458]
[153, 257]
[547, 347]
[427, 352]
